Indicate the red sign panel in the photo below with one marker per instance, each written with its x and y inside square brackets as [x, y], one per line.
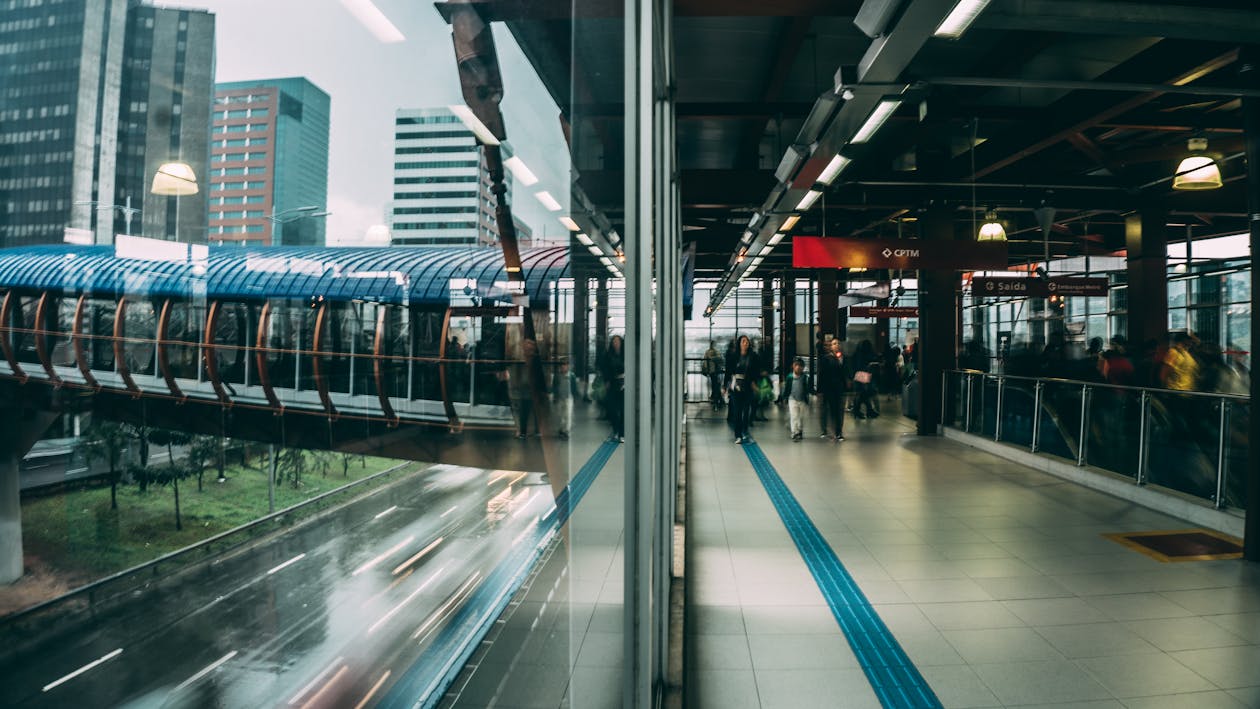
[910, 254]
[883, 312]
[1029, 287]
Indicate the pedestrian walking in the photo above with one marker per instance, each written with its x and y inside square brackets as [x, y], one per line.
[797, 387]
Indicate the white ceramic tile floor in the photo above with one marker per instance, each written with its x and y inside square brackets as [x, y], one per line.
[994, 578]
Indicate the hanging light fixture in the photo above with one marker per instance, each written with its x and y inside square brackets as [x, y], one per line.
[1198, 171]
[175, 179]
[992, 229]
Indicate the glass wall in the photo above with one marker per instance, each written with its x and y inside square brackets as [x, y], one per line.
[382, 472]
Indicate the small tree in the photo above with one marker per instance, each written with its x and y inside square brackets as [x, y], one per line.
[346, 458]
[292, 463]
[321, 461]
[203, 451]
[171, 474]
[107, 442]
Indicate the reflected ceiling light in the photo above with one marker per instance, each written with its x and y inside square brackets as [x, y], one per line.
[774, 240]
[752, 221]
[833, 169]
[740, 257]
[474, 124]
[521, 171]
[807, 201]
[175, 179]
[992, 229]
[1198, 171]
[878, 117]
[583, 239]
[621, 256]
[570, 224]
[789, 222]
[960, 18]
[371, 17]
[747, 238]
[548, 201]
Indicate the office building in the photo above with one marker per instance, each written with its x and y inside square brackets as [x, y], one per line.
[269, 169]
[442, 191]
[81, 132]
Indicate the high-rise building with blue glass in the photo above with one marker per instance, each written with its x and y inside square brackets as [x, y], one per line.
[269, 163]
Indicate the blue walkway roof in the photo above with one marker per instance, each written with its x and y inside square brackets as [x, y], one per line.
[414, 275]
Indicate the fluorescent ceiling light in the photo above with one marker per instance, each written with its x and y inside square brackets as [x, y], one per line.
[548, 201]
[570, 224]
[960, 18]
[806, 202]
[474, 124]
[753, 220]
[789, 222]
[521, 171]
[774, 240]
[878, 117]
[583, 239]
[371, 17]
[595, 250]
[606, 261]
[833, 169]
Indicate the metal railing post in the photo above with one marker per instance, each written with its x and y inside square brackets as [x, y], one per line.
[1036, 421]
[1143, 436]
[1080, 444]
[1222, 456]
[997, 424]
[967, 416]
[944, 397]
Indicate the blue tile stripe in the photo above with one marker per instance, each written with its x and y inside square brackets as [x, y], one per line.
[892, 675]
[432, 674]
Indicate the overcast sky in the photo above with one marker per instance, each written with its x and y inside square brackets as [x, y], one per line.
[368, 79]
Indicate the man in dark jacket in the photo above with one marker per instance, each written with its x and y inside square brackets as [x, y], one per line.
[833, 380]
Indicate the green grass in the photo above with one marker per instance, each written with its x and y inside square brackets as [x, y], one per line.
[80, 538]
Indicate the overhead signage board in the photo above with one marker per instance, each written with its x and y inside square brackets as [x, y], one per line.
[883, 312]
[908, 254]
[1030, 287]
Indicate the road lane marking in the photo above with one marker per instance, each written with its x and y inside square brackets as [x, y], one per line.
[83, 669]
[390, 552]
[367, 697]
[452, 509]
[382, 514]
[294, 560]
[207, 670]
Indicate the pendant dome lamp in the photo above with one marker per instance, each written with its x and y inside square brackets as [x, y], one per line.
[1197, 171]
[992, 229]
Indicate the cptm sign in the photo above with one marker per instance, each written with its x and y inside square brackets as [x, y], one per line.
[820, 252]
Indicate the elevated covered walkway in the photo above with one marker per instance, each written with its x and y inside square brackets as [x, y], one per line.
[995, 581]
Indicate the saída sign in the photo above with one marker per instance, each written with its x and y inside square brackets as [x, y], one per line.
[909, 254]
[1031, 287]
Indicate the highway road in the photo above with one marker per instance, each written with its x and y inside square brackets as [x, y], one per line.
[329, 615]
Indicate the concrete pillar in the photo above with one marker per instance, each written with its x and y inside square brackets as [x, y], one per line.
[767, 323]
[787, 323]
[580, 335]
[10, 516]
[1249, 72]
[938, 320]
[1146, 240]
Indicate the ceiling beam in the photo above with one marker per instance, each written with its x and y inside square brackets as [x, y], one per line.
[1114, 111]
[1187, 20]
[548, 10]
[790, 41]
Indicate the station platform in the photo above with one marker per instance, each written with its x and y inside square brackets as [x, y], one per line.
[983, 582]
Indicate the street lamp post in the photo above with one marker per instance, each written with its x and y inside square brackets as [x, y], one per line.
[127, 210]
[291, 215]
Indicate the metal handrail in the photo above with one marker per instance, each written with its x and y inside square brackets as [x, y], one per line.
[90, 588]
[1225, 402]
[1105, 385]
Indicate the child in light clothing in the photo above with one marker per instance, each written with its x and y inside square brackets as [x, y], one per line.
[797, 386]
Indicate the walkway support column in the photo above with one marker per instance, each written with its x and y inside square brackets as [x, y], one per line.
[787, 323]
[767, 322]
[10, 513]
[938, 334]
[1249, 70]
[1146, 239]
[580, 338]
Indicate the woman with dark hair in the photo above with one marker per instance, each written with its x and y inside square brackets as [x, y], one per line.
[743, 388]
[612, 367]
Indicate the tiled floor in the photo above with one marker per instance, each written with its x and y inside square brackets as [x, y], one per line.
[993, 577]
